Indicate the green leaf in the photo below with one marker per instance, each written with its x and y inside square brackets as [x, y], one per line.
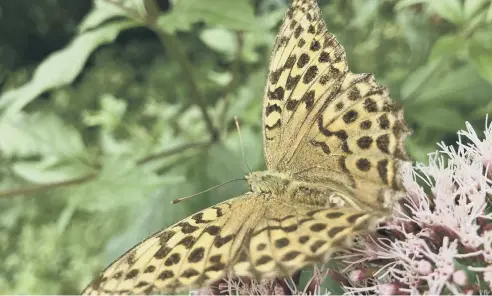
[482, 38]
[221, 78]
[419, 149]
[447, 45]
[327, 285]
[481, 58]
[402, 4]
[61, 67]
[110, 114]
[40, 133]
[64, 219]
[453, 85]
[450, 10]
[146, 218]
[251, 143]
[331, 285]
[49, 170]
[488, 18]
[271, 19]
[234, 15]
[366, 11]
[102, 11]
[221, 40]
[120, 183]
[418, 78]
[483, 111]
[448, 119]
[224, 164]
[471, 7]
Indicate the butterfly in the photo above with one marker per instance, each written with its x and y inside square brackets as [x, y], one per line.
[334, 151]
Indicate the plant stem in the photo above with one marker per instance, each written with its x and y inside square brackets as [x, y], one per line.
[235, 69]
[89, 177]
[173, 47]
[172, 151]
[45, 187]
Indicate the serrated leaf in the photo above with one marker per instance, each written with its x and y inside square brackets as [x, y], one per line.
[451, 10]
[39, 133]
[110, 114]
[120, 182]
[61, 67]
[49, 170]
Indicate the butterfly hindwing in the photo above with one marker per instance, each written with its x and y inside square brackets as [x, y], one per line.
[253, 236]
[181, 256]
[324, 124]
[291, 236]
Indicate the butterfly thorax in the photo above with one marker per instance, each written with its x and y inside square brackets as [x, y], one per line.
[269, 182]
[274, 184]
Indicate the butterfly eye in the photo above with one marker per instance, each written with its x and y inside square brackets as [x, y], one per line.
[256, 187]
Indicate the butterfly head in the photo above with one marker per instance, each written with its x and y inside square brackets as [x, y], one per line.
[268, 182]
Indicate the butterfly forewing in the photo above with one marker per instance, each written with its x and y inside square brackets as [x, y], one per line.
[306, 70]
[324, 124]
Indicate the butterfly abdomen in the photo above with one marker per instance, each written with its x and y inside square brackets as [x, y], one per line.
[282, 185]
[314, 194]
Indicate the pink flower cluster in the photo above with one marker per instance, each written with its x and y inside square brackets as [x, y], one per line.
[439, 240]
[278, 286]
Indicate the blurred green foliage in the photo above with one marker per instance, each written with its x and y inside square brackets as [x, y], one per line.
[102, 124]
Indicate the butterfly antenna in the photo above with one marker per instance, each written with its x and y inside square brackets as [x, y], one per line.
[195, 194]
[241, 140]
